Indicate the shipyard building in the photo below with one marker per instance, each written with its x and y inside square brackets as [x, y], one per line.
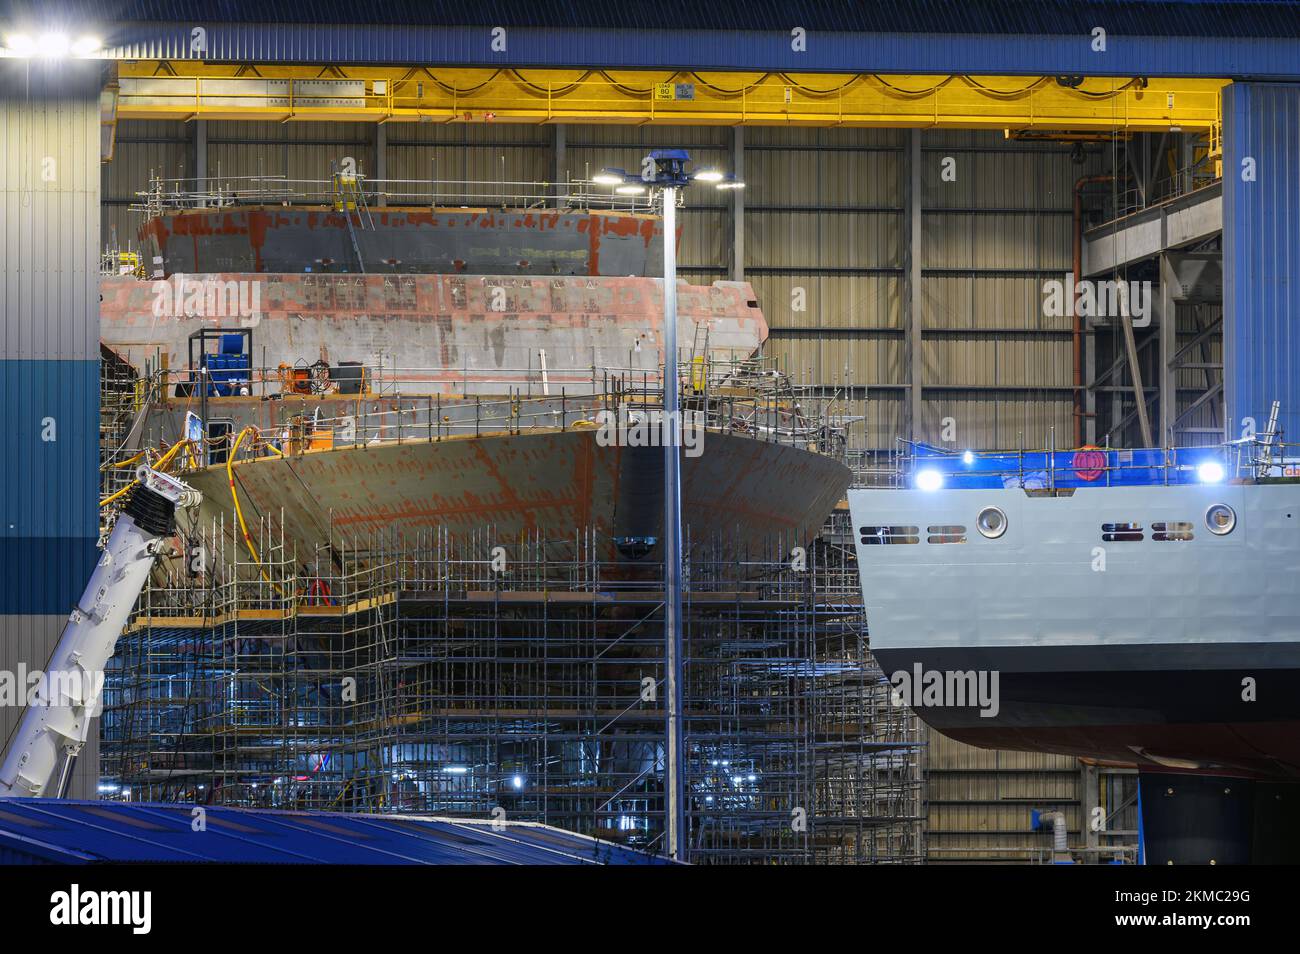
[706, 445]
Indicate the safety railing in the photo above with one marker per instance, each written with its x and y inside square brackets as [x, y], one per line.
[433, 418]
[215, 192]
[926, 467]
[374, 404]
[1127, 198]
[698, 372]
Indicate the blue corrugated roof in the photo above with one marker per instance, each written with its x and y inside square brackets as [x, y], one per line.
[86, 832]
[1228, 18]
[1218, 38]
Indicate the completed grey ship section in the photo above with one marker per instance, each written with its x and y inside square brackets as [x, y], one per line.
[1152, 624]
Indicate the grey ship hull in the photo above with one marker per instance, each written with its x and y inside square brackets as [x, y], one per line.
[1144, 646]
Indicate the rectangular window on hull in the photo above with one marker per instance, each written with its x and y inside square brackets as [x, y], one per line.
[1174, 530]
[1121, 532]
[881, 535]
[947, 533]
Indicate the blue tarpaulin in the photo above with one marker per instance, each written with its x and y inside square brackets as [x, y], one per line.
[58, 831]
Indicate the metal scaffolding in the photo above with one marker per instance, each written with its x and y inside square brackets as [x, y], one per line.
[121, 398]
[479, 677]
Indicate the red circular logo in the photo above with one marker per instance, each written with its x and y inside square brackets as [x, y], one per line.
[1089, 463]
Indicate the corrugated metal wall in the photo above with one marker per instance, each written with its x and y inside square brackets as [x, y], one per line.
[980, 802]
[1261, 254]
[824, 250]
[49, 372]
[484, 152]
[144, 149]
[992, 362]
[826, 212]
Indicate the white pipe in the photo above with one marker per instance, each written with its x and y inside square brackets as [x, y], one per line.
[1059, 832]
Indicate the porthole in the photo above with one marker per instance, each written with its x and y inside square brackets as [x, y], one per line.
[1220, 519]
[992, 522]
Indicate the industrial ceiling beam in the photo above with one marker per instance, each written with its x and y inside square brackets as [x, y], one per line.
[175, 89]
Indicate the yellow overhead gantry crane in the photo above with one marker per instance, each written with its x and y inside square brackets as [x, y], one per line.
[1069, 105]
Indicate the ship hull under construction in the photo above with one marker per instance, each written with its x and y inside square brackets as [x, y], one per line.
[740, 491]
[395, 240]
[437, 333]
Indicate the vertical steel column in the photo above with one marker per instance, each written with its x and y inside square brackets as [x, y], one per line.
[381, 159]
[559, 160]
[201, 157]
[912, 319]
[674, 749]
[1089, 801]
[738, 206]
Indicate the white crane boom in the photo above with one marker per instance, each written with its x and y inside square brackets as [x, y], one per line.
[56, 721]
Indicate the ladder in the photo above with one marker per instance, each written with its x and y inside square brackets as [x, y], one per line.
[1265, 463]
[350, 198]
[700, 358]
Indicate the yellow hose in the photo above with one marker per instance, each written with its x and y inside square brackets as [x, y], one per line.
[171, 452]
[234, 494]
[239, 512]
[122, 463]
[111, 497]
[159, 464]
